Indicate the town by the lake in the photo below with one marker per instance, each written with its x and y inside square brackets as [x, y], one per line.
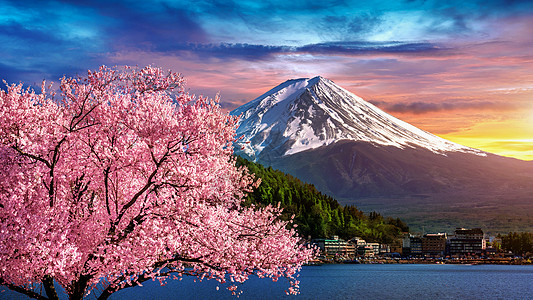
[464, 246]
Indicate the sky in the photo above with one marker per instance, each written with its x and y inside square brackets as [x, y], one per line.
[462, 69]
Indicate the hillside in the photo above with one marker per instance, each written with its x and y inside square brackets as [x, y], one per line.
[316, 214]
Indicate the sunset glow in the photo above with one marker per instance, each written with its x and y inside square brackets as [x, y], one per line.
[462, 70]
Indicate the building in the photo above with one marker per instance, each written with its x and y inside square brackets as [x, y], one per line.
[365, 250]
[397, 249]
[375, 247]
[336, 246]
[384, 248]
[412, 245]
[415, 245]
[467, 242]
[406, 244]
[358, 241]
[434, 244]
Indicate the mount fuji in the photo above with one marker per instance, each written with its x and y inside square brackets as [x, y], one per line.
[303, 114]
[323, 134]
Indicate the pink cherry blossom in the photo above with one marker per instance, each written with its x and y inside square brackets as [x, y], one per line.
[123, 177]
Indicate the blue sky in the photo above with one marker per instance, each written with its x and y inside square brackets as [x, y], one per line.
[467, 64]
[52, 38]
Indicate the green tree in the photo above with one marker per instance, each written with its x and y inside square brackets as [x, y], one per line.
[316, 214]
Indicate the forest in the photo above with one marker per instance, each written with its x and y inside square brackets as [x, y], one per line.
[520, 243]
[318, 215]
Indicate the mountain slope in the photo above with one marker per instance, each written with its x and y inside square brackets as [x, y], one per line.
[352, 150]
[305, 114]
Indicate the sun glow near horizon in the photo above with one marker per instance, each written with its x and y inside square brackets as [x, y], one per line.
[511, 138]
[518, 148]
[501, 124]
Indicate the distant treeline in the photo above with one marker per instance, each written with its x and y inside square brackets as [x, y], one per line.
[318, 215]
[517, 242]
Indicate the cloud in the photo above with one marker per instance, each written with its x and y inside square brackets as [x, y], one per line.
[427, 107]
[346, 27]
[253, 52]
[18, 32]
[364, 47]
[159, 31]
[231, 51]
[12, 75]
[110, 24]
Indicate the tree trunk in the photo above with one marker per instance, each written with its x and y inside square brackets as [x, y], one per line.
[79, 288]
[48, 283]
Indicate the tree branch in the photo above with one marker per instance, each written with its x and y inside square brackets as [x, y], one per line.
[112, 288]
[139, 219]
[23, 291]
[106, 186]
[144, 188]
[37, 158]
[55, 159]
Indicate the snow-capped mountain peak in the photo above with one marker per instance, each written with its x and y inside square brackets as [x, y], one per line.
[307, 113]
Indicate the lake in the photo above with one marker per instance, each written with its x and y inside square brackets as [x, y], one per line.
[371, 281]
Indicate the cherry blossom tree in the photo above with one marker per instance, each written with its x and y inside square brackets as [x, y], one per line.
[122, 177]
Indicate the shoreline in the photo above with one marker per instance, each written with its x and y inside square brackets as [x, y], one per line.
[443, 261]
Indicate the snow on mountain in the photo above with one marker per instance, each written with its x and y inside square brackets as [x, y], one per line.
[302, 114]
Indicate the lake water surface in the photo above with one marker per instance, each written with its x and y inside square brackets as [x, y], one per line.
[368, 281]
